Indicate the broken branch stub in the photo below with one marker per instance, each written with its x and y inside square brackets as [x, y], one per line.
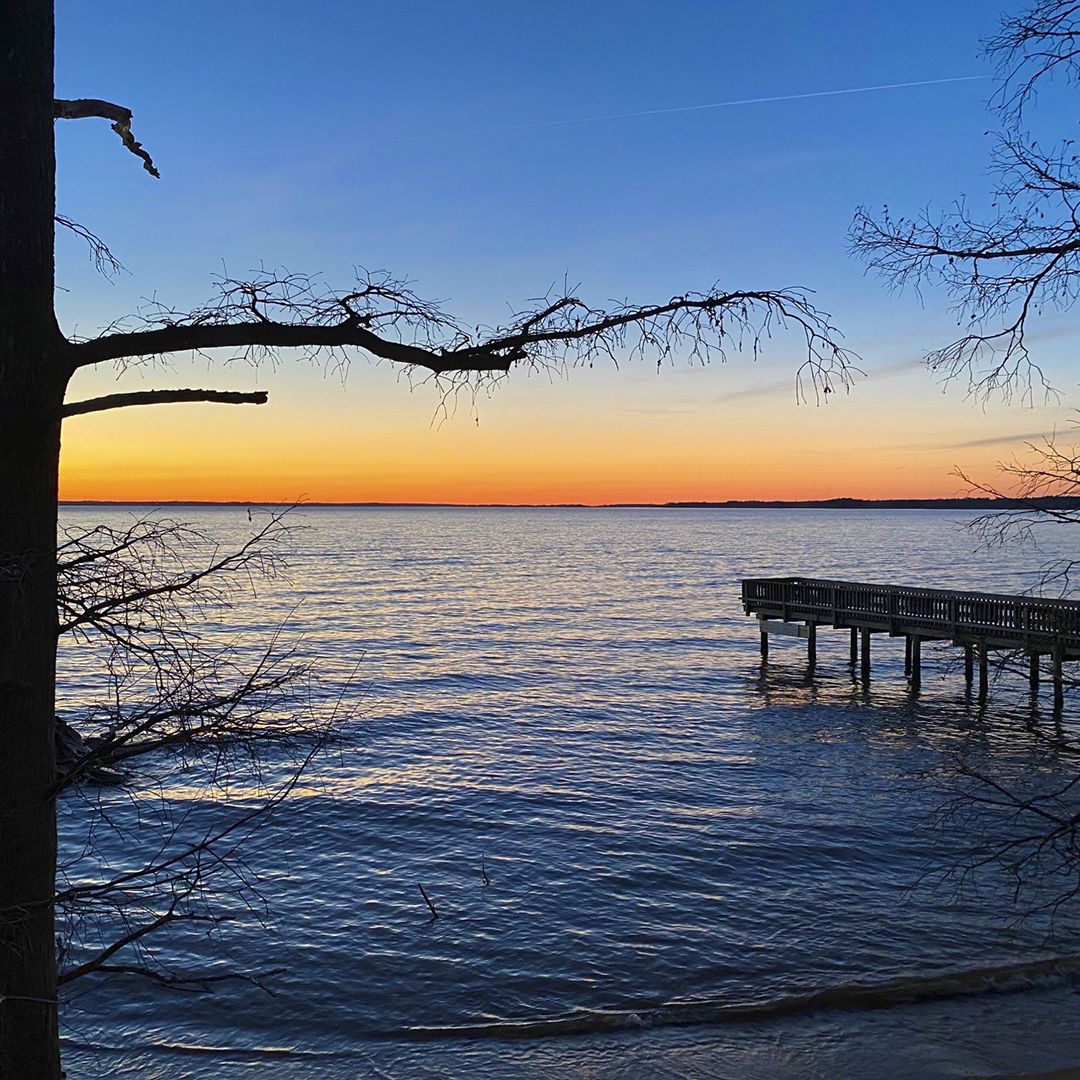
[80, 108]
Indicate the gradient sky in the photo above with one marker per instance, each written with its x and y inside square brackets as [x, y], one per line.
[426, 138]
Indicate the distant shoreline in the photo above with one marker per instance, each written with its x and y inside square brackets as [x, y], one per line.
[1058, 502]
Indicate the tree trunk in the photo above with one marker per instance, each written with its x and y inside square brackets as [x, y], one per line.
[29, 453]
[32, 380]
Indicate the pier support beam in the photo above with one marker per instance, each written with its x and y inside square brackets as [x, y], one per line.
[764, 645]
[811, 646]
[969, 665]
[915, 661]
[984, 671]
[1059, 695]
[907, 655]
[1033, 674]
[866, 654]
[854, 646]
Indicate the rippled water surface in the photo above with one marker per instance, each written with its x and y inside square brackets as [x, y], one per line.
[572, 702]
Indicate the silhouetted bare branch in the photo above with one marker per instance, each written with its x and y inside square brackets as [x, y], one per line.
[1024, 828]
[130, 582]
[1033, 48]
[162, 397]
[1036, 490]
[1025, 822]
[383, 317]
[175, 693]
[1005, 264]
[81, 108]
[105, 262]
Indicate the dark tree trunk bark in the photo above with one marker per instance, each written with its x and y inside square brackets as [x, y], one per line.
[29, 449]
[32, 379]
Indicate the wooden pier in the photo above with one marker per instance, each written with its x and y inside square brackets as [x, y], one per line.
[977, 622]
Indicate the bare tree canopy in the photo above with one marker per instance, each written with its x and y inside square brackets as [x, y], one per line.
[1005, 264]
[1033, 48]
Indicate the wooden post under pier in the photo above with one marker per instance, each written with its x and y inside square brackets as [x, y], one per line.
[854, 646]
[984, 671]
[1059, 696]
[969, 664]
[915, 661]
[866, 655]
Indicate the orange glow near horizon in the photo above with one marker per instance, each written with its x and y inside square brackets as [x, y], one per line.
[515, 480]
[594, 439]
[577, 471]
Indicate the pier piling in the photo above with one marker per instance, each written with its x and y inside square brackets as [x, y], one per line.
[1059, 697]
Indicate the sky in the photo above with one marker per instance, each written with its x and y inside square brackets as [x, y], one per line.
[487, 151]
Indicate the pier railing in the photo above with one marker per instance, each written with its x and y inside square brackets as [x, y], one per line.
[1027, 622]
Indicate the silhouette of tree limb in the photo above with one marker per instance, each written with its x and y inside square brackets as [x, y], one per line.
[105, 261]
[81, 108]
[202, 981]
[1033, 48]
[122, 579]
[1010, 262]
[162, 397]
[176, 695]
[383, 317]
[1029, 831]
[1039, 489]
[135, 934]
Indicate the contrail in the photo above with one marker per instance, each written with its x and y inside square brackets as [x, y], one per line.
[688, 108]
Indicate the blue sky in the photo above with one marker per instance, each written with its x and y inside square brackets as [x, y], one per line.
[326, 135]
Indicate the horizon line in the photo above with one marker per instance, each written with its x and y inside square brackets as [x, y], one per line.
[839, 502]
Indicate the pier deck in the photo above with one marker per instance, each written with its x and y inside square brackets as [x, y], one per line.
[976, 621]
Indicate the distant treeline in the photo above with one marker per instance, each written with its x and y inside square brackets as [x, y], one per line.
[1050, 502]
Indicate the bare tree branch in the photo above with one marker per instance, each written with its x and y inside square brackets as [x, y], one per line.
[178, 693]
[98, 587]
[1036, 490]
[1033, 48]
[203, 981]
[96, 963]
[1008, 263]
[105, 261]
[1027, 827]
[162, 397]
[383, 317]
[81, 108]
[269, 335]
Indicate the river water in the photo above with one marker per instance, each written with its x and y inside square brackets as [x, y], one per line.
[564, 732]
